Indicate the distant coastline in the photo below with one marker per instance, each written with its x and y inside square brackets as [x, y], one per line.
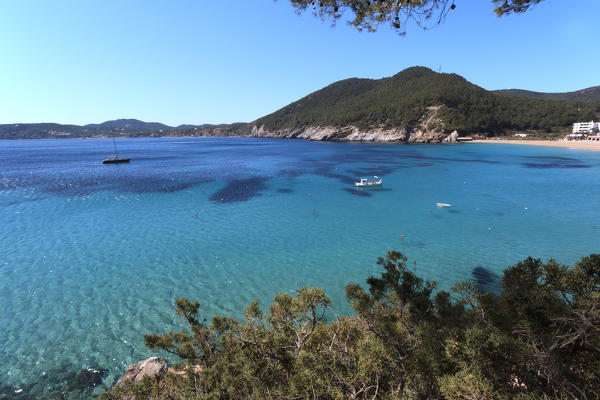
[579, 145]
[573, 144]
[416, 105]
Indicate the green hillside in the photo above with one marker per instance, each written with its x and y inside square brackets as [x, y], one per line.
[589, 95]
[447, 101]
[39, 131]
[403, 99]
[120, 127]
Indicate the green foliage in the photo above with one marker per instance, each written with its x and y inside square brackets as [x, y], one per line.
[120, 127]
[368, 15]
[402, 100]
[588, 95]
[466, 385]
[198, 345]
[540, 338]
[504, 7]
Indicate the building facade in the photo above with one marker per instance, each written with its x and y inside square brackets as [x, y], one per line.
[585, 127]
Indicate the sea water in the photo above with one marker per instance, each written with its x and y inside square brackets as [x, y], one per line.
[93, 256]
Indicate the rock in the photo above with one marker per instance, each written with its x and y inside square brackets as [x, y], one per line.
[88, 378]
[153, 368]
[195, 369]
[425, 136]
[334, 133]
[451, 138]
[422, 134]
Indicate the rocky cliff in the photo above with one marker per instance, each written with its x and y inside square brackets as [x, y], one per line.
[333, 133]
[429, 129]
[354, 134]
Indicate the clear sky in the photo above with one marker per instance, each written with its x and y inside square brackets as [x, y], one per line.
[221, 61]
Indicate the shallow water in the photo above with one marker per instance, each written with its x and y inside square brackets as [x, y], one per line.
[92, 256]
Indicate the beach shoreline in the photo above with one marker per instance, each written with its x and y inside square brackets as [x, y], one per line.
[580, 145]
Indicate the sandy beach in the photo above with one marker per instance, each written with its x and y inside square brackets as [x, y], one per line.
[583, 145]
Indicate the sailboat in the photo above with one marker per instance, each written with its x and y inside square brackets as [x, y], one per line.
[115, 159]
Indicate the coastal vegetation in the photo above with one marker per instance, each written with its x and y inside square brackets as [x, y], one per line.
[537, 338]
[119, 128]
[415, 98]
[403, 100]
[588, 95]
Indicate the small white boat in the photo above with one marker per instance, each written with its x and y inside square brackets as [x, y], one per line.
[442, 205]
[366, 182]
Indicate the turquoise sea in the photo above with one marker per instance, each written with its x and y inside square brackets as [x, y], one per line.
[92, 256]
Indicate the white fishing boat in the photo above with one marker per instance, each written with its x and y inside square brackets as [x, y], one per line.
[443, 205]
[368, 182]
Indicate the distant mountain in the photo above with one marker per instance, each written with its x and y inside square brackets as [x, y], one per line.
[130, 125]
[589, 95]
[416, 103]
[220, 130]
[39, 131]
[119, 127]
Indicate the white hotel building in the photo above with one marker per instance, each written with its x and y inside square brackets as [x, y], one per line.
[585, 127]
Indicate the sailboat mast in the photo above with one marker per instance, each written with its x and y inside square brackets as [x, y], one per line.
[115, 145]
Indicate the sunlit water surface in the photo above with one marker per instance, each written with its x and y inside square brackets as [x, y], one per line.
[92, 256]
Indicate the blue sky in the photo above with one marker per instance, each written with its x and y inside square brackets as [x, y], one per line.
[201, 61]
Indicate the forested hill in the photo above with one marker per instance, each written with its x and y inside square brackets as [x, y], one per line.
[589, 95]
[403, 101]
[416, 104]
[119, 127]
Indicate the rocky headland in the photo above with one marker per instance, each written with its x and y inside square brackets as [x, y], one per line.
[429, 129]
[355, 134]
[416, 105]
